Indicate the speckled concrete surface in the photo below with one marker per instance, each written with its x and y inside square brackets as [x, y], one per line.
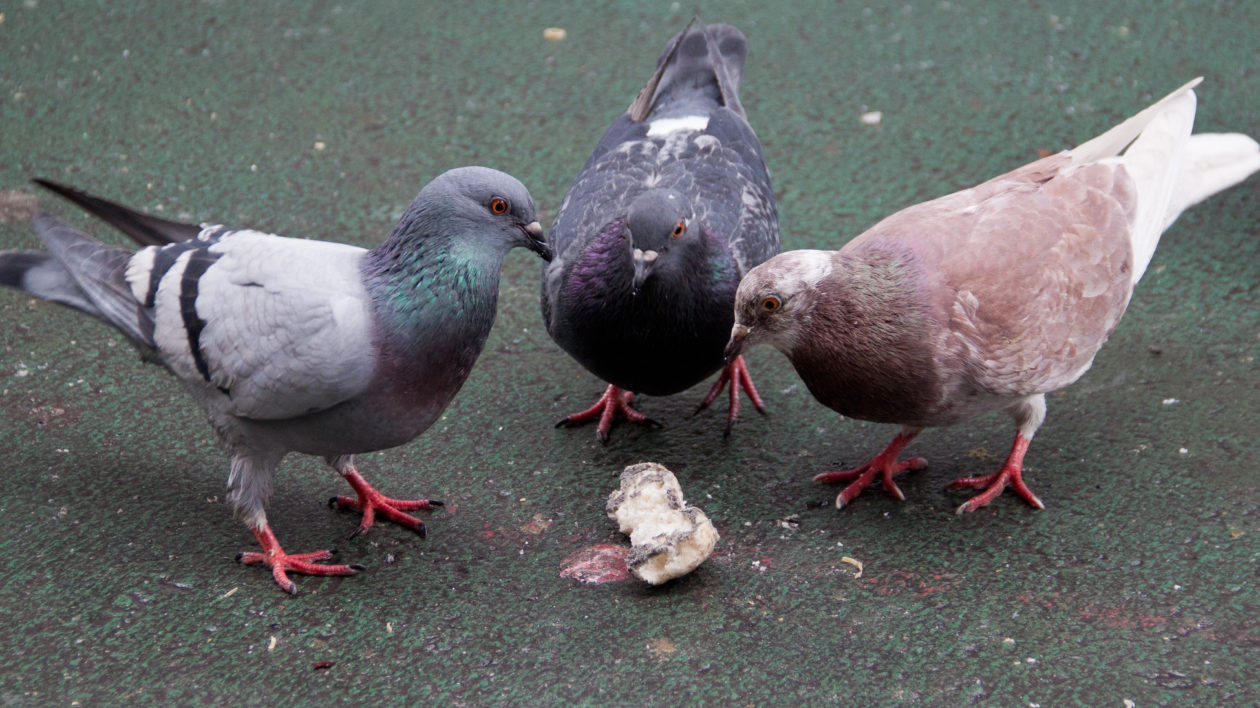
[1138, 583]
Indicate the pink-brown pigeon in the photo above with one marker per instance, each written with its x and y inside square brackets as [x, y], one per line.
[988, 298]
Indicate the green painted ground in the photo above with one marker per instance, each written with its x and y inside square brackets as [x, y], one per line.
[1138, 583]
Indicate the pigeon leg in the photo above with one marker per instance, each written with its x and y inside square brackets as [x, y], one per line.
[1011, 473]
[370, 501]
[615, 400]
[281, 563]
[737, 374]
[885, 463]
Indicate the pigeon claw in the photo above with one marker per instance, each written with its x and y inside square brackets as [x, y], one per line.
[418, 527]
[884, 464]
[281, 563]
[993, 484]
[736, 374]
[370, 502]
[615, 401]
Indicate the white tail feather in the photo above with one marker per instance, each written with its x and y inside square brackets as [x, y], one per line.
[1154, 161]
[1114, 141]
[1214, 162]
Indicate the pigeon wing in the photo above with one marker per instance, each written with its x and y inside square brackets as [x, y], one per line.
[281, 326]
[1033, 271]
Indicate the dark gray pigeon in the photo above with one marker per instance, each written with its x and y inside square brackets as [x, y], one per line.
[669, 212]
[989, 298]
[293, 345]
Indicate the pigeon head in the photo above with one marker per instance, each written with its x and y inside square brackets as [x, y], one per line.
[774, 299]
[484, 204]
[658, 220]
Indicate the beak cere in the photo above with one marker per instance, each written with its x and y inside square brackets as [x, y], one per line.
[534, 231]
[643, 262]
[736, 344]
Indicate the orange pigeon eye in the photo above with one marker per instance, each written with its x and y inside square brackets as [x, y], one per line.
[679, 229]
[498, 205]
[770, 304]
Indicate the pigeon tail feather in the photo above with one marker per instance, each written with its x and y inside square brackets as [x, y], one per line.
[1114, 141]
[699, 55]
[99, 272]
[143, 229]
[39, 274]
[1213, 162]
[1154, 161]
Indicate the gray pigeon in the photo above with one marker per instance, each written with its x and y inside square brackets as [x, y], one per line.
[293, 345]
[989, 298]
[669, 212]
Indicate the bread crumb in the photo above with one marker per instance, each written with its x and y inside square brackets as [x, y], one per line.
[668, 537]
[872, 117]
[554, 34]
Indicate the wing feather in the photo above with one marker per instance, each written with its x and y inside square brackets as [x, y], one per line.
[284, 324]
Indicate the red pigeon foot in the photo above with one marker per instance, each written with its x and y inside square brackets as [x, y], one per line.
[370, 501]
[614, 401]
[736, 372]
[885, 463]
[1011, 472]
[281, 563]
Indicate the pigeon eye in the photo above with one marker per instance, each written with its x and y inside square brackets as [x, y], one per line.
[498, 205]
[679, 229]
[770, 303]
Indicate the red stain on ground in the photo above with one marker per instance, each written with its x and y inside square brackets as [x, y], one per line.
[1120, 617]
[900, 581]
[593, 565]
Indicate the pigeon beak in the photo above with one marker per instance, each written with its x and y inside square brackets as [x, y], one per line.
[535, 241]
[739, 333]
[644, 261]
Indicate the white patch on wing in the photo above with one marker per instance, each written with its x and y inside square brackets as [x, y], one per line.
[168, 327]
[140, 271]
[752, 200]
[665, 126]
[208, 230]
[706, 142]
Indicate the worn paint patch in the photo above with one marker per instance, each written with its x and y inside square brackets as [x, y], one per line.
[16, 205]
[662, 648]
[536, 525]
